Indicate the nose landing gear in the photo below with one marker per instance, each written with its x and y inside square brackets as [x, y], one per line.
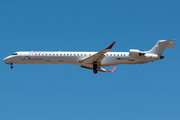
[11, 65]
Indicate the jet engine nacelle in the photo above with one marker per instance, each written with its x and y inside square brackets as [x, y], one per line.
[135, 53]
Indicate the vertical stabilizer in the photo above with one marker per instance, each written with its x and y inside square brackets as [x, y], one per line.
[160, 46]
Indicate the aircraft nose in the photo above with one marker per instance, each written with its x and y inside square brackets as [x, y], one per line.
[6, 60]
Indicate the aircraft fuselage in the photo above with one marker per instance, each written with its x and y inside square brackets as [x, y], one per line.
[91, 60]
[111, 58]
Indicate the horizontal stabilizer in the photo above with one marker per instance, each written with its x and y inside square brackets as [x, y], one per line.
[169, 45]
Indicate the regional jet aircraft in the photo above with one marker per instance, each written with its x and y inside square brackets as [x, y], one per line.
[91, 60]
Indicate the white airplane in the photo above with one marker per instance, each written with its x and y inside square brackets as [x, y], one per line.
[92, 60]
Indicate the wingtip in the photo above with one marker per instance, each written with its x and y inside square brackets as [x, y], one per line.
[112, 69]
[111, 45]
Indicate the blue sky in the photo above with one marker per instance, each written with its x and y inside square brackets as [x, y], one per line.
[68, 92]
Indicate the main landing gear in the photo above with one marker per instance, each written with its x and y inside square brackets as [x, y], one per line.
[95, 68]
[11, 65]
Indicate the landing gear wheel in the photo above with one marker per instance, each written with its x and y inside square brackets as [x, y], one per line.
[95, 68]
[95, 71]
[11, 65]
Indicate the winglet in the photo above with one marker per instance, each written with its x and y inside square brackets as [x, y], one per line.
[111, 45]
[112, 69]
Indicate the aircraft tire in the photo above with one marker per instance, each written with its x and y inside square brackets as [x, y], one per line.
[95, 71]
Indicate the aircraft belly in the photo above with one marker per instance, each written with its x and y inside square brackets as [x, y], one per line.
[118, 60]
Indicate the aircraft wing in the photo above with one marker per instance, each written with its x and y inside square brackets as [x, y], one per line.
[99, 69]
[98, 56]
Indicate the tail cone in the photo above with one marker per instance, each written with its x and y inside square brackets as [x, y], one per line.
[161, 57]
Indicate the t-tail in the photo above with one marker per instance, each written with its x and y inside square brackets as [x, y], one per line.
[161, 46]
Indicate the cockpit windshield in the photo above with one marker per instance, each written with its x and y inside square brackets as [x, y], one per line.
[14, 54]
